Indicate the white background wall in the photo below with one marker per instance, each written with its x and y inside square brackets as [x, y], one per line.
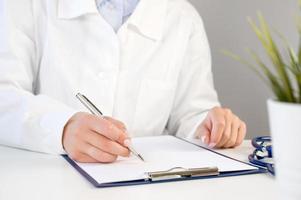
[227, 28]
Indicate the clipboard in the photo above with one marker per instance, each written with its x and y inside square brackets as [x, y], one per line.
[176, 173]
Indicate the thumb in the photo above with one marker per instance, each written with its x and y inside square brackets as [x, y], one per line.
[204, 131]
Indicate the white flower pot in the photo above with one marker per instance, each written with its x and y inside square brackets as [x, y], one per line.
[285, 125]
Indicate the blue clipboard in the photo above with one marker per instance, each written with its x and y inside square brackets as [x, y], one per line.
[257, 170]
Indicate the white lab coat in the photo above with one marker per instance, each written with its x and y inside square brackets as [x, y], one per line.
[154, 74]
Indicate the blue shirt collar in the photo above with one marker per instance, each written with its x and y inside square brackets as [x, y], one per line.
[116, 12]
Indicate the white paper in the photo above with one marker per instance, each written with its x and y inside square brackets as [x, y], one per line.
[161, 153]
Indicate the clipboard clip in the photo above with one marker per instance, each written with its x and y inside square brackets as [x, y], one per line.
[180, 172]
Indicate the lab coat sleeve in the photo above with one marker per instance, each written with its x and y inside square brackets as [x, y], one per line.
[195, 94]
[28, 121]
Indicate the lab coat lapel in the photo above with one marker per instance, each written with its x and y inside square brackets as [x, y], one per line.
[142, 32]
[149, 18]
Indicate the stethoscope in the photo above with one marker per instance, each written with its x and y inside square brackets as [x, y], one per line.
[262, 155]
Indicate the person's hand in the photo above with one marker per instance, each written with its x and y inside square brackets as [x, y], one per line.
[88, 138]
[221, 129]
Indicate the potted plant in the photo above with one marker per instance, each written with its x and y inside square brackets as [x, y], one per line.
[283, 77]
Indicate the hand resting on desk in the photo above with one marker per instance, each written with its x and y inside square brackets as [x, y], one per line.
[222, 129]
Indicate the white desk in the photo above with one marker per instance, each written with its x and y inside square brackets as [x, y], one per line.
[34, 176]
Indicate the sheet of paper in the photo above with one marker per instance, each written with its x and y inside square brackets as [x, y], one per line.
[160, 153]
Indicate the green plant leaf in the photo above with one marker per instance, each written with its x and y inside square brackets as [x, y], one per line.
[295, 69]
[284, 74]
[275, 83]
[264, 35]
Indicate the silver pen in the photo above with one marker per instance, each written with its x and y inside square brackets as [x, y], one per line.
[95, 111]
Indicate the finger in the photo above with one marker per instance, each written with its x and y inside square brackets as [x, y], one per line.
[227, 132]
[106, 128]
[218, 126]
[234, 133]
[203, 131]
[241, 133]
[106, 144]
[222, 141]
[83, 158]
[98, 154]
[76, 153]
[117, 123]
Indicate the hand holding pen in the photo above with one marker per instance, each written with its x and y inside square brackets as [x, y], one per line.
[95, 111]
[90, 138]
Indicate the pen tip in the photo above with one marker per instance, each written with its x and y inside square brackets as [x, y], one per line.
[141, 158]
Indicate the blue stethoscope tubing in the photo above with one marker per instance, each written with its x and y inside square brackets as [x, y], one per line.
[256, 159]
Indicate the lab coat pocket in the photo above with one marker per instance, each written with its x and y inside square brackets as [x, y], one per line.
[155, 101]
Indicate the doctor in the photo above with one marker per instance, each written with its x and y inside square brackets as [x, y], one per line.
[144, 63]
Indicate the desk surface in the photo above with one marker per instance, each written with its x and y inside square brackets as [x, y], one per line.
[35, 176]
